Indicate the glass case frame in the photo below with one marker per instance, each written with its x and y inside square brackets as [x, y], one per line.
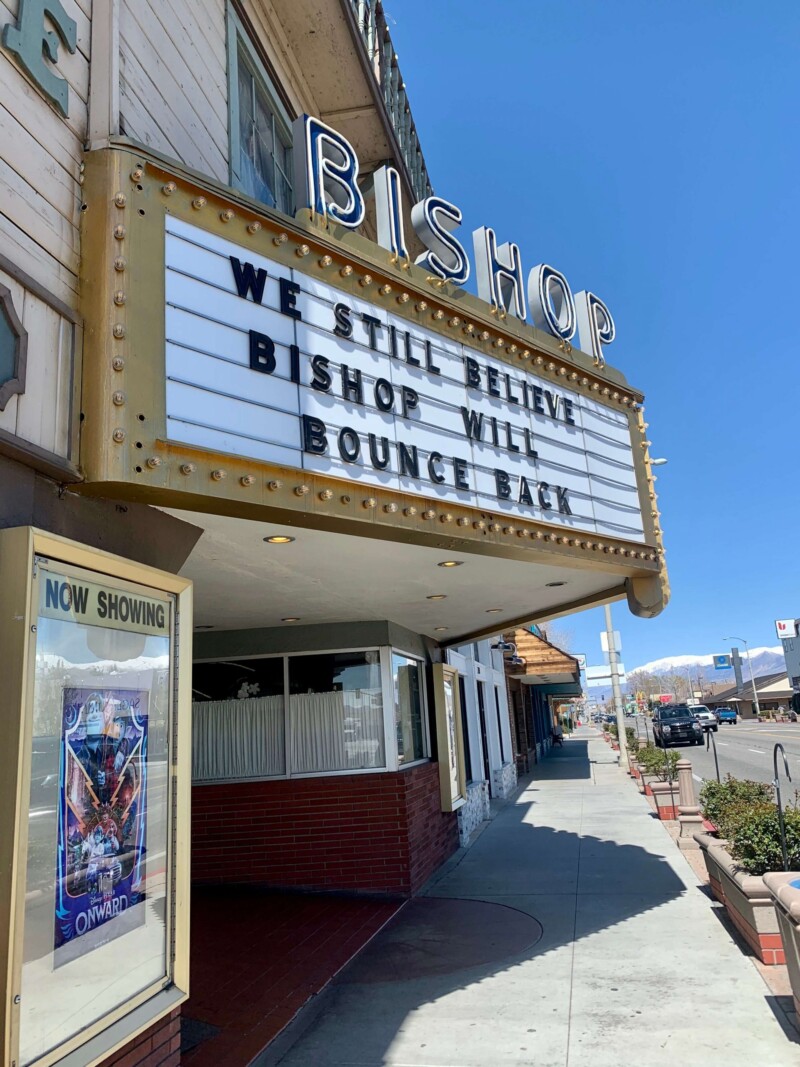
[20, 548]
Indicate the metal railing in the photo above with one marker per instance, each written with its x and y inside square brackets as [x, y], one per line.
[383, 60]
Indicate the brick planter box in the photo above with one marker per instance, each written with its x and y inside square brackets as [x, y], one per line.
[666, 797]
[706, 841]
[750, 907]
[786, 899]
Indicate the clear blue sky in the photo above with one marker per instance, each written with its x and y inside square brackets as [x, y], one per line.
[651, 152]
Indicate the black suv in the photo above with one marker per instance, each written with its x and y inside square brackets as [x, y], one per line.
[676, 722]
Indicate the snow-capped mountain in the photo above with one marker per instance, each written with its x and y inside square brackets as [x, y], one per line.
[765, 660]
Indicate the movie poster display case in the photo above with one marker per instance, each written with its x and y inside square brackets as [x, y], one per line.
[95, 733]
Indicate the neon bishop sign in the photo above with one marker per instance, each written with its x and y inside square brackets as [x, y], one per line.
[326, 169]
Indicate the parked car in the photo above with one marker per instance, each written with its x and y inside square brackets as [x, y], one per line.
[676, 722]
[727, 715]
[708, 719]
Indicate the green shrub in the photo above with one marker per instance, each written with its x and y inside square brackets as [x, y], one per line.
[646, 757]
[755, 840]
[613, 729]
[661, 762]
[633, 741]
[726, 803]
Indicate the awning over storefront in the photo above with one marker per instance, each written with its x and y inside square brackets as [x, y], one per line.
[543, 664]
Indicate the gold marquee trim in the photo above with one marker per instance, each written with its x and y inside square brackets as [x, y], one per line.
[127, 194]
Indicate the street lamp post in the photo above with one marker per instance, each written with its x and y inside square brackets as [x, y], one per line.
[750, 665]
[613, 666]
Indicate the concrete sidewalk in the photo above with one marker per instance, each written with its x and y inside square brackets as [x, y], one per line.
[571, 934]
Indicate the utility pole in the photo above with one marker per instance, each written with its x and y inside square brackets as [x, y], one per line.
[613, 666]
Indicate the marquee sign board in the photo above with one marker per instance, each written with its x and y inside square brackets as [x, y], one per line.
[265, 362]
[240, 362]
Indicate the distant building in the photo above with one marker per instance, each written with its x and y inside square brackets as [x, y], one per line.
[774, 692]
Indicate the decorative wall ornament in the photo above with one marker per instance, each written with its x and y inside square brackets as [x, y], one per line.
[13, 349]
[31, 43]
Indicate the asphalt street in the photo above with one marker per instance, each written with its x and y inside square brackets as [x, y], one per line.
[745, 751]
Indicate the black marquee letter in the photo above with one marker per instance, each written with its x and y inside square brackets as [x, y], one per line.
[343, 327]
[410, 399]
[349, 444]
[379, 462]
[384, 394]
[314, 439]
[472, 373]
[503, 484]
[249, 280]
[436, 476]
[262, 353]
[322, 376]
[525, 491]
[563, 503]
[289, 291]
[544, 497]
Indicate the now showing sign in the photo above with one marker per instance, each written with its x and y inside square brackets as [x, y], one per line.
[268, 363]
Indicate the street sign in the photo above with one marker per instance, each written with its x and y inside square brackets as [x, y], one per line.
[786, 628]
[722, 663]
[601, 675]
[604, 641]
[581, 662]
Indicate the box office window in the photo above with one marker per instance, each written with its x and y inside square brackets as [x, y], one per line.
[97, 896]
[260, 128]
[307, 714]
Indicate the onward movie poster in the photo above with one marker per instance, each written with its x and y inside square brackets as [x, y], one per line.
[102, 816]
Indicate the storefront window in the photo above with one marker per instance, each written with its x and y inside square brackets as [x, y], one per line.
[326, 711]
[97, 907]
[336, 709]
[407, 688]
[238, 728]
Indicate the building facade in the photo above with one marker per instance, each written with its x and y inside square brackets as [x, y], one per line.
[272, 482]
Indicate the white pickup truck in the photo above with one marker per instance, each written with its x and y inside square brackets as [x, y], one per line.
[706, 716]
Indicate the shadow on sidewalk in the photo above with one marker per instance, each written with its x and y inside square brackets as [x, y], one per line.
[570, 762]
[440, 944]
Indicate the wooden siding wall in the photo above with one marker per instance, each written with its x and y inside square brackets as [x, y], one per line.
[173, 76]
[173, 80]
[40, 200]
[40, 157]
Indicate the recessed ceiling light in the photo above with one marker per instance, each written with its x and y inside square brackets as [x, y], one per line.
[555, 585]
[206, 627]
[291, 618]
[437, 596]
[279, 539]
[439, 629]
[451, 563]
[493, 611]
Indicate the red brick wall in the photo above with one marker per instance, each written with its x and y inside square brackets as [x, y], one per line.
[160, 1046]
[379, 833]
[432, 833]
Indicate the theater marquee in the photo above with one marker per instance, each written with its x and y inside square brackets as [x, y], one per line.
[241, 362]
[266, 363]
